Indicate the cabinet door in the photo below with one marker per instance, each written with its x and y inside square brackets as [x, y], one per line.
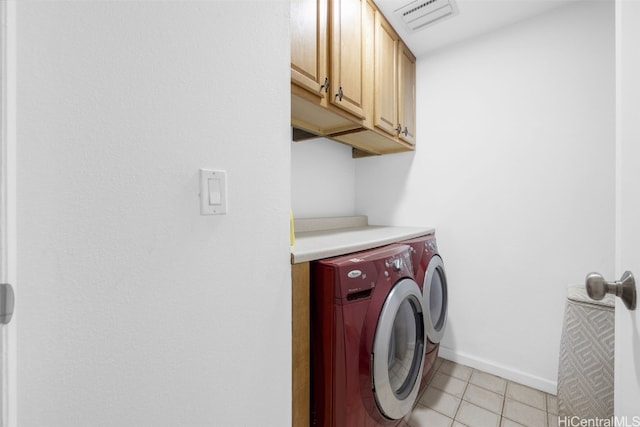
[346, 89]
[407, 95]
[385, 76]
[309, 45]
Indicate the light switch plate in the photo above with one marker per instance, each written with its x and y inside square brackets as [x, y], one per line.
[213, 192]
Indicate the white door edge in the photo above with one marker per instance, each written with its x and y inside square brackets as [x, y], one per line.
[627, 257]
[8, 396]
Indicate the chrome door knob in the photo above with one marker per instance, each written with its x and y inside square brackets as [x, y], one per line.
[625, 288]
[7, 303]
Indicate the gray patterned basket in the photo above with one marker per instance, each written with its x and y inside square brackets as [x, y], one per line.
[585, 371]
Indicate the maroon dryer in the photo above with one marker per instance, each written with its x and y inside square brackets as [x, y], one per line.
[368, 338]
[428, 270]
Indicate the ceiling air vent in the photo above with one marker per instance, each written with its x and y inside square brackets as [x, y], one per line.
[420, 14]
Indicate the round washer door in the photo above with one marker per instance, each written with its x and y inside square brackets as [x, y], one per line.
[398, 350]
[435, 299]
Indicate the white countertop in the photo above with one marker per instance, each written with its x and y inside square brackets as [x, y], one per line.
[355, 236]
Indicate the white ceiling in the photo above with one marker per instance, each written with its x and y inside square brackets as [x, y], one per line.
[474, 17]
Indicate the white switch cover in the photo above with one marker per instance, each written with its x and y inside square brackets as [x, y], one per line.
[213, 192]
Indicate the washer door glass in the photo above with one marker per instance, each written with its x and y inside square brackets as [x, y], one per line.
[398, 350]
[435, 299]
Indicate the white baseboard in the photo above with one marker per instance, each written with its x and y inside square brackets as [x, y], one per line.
[505, 372]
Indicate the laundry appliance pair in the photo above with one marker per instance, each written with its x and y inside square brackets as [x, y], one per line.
[377, 318]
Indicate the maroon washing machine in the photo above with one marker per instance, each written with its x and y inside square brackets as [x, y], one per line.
[368, 338]
[428, 270]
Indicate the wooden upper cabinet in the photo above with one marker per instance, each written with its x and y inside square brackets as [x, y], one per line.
[311, 80]
[407, 95]
[352, 77]
[309, 45]
[395, 84]
[385, 76]
[346, 41]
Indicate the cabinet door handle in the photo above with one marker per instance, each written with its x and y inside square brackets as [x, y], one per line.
[399, 128]
[325, 86]
[405, 132]
[339, 94]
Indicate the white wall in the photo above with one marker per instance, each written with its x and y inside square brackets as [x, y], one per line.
[322, 179]
[515, 169]
[133, 309]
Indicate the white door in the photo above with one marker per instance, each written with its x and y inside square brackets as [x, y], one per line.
[7, 210]
[627, 359]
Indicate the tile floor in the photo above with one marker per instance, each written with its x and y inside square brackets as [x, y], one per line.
[459, 396]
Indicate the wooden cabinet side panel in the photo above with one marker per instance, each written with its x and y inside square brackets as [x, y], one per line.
[309, 44]
[301, 342]
[407, 91]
